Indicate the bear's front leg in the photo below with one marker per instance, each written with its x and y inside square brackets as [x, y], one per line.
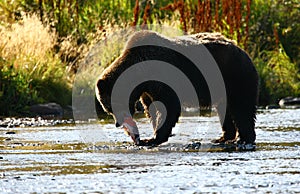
[162, 131]
[163, 114]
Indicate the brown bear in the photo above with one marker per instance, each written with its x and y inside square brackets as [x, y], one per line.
[152, 53]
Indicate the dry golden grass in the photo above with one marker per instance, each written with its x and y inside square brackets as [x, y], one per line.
[28, 39]
[28, 47]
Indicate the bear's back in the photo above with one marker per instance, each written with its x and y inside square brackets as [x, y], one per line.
[209, 38]
[146, 37]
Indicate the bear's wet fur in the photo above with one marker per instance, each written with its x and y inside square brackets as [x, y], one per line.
[239, 75]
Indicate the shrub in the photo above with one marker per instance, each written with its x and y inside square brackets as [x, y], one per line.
[279, 77]
[30, 71]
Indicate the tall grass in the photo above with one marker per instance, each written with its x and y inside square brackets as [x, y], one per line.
[30, 71]
[230, 17]
[26, 40]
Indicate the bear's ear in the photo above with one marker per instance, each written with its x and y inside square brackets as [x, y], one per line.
[101, 84]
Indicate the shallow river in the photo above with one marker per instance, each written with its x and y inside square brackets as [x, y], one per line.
[97, 158]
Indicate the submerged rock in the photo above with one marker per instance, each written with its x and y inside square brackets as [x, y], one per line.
[272, 106]
[10, 133]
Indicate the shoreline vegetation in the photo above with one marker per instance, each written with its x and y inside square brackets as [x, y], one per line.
[43, 43]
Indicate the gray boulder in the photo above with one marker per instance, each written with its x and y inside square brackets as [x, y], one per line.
[290, 102]
[47, 110]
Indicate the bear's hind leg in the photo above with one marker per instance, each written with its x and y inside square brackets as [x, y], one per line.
[245, 125]
[228, 128]
[245, 122]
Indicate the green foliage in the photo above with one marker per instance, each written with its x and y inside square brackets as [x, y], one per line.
[279, 76]
[15, 91]
[281, 16]
[20, 89]
[274, 46]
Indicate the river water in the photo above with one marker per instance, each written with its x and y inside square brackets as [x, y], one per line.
[95, 157]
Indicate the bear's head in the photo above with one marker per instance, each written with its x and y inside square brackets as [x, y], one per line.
[121, 115]
[102, 94]
[117, 109]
